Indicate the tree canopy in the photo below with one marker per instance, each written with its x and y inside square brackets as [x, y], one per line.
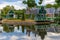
[30, 3]
[57, 1]
[55, 6]
[40, 1]
[48, 5]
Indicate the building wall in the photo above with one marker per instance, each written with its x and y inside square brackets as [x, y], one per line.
[50, 11]
[32, 11]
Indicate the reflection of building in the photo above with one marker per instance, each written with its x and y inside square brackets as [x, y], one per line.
[43, 27]
[42, 33]
[41, 30]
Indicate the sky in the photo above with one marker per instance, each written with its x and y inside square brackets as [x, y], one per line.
[18, 3]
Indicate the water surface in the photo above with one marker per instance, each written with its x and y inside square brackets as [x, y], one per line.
[34, 32]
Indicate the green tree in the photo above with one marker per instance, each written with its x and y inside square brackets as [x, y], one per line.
[5, 10]
[23, 14]
[57, 1]
[30, 4]
[20, 13]
[57, 5]
[48, 5]
[57, 19]
[40, 1]
[6, 28]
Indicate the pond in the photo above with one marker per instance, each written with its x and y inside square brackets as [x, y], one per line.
[34, 32]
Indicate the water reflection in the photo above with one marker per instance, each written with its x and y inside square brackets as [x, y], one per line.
[8, 28]
[36, 32]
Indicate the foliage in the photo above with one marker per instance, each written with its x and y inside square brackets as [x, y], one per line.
[49, 6]
[40, 1]
[20, 13]
[30, 3]
[55, 6]
[57, 19]
[6, 28]
[23, 15]
[57, 1]
[5, 10]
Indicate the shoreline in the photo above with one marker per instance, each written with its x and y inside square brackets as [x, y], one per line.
[18, 22]
[23, 22]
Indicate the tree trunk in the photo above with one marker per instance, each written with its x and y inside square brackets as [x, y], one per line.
[18, 16]
[23, 16]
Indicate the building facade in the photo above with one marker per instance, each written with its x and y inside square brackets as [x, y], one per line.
[50, 14]
[10, 14]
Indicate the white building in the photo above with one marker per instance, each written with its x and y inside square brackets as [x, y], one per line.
[50, 13]
[32, 11]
